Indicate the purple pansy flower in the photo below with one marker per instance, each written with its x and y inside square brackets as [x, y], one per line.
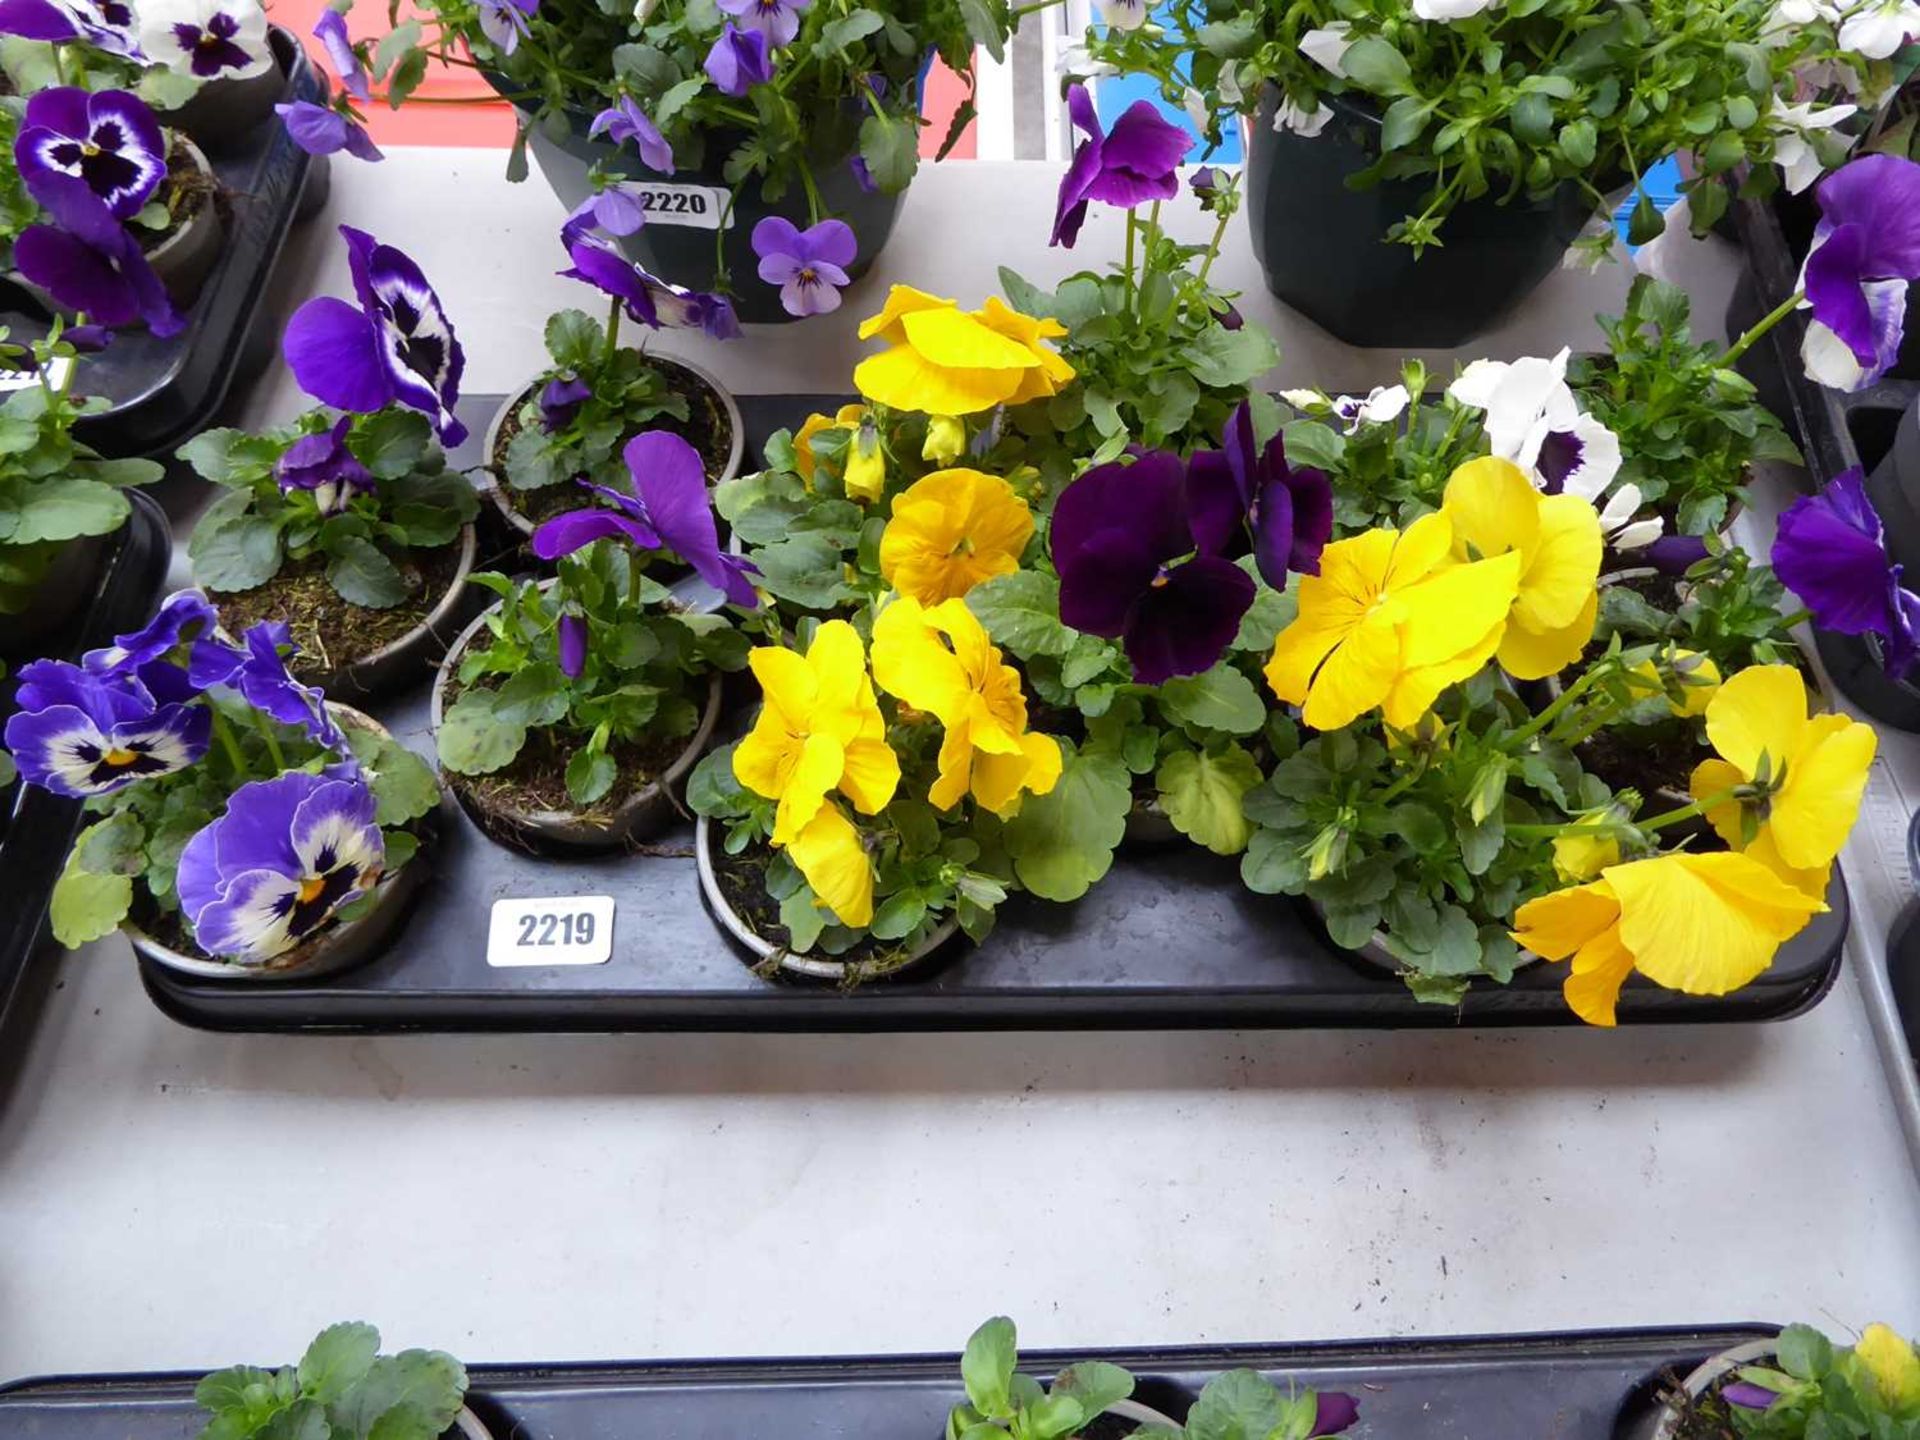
[623, 121]
[1138, 160]
[331, 31]
[1131, 569]
[90, 263]
[667, 509]
[323, 466]
[808, 265]
[108, 140]
[560, 400]
[649, 300]
[87, 339]
[1245, 488]
[1675, 554]
[1748, 1396]
[207, 39]
[618, 210]
[107, 26]
[259, 672]
[155, 656]
[80, 734]
[321, 131]
[398, 345]
[573, 644]
[1334, 1412]
[778, 20]
[1828, 549]
[283, 860]
[739, 60]
[1866, 249]
[504, 22]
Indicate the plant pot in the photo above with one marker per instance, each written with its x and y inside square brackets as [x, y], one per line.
[500, 492]
[420, 650]
[679, 244]
[224, 114]
[1665, 1422]
[1148, 826]
[340, 946]
[1324, 248]
[185, 258]
[68, 583]
[641, 815]
[769, 956]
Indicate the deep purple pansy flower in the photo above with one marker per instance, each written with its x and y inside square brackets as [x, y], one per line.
[560, 400]
[649, 300]
[1247, 489]
[1675, 554]
[808, 265]
[1748, 1396]
[80, 734]
[504, 22]
[321, 131]
[668, 508]
[331, 31]
[87, 339]
[778, 20]
[618, 210]
[1828, 549]
[1334, 1413]
[207, 39]
[155, 655]
[323, 466]
[1131, 569]
[109, 140]
[1866, 250]
[107, 26]
[90, 263]
[739, 60]
[573, 644]
[286, 857]
[623, 121]
[397, 345]
[258, 670]
[1138, 160]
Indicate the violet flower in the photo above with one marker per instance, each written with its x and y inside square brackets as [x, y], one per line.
[323, 466]
[1748, 1396]
[1249, 490]
[668, 508]
[863, 175]
[1137, 161]
[617, 210]
[778, 20]
[155, 655]
[259, 672]
[739, 60]
[90, 263]
[319, 130]
[285, 858]
[1131, 569]
[108, 140]
[560, 401]
[1866, 250]
[81, 734]
[504, 22]
[1830, 551]
[207, 39]
[573, 644]
[107, 26]
[398, 345]
[1675, 554]
[1334, 1412]
[331, 31]
[623, 121]
[649, 300]
[808, 265]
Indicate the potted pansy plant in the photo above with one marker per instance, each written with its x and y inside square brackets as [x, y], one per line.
[767, 141]
[1799, 1385]
[245, 827]
[568, 715]
[572, 420]
[348, 526]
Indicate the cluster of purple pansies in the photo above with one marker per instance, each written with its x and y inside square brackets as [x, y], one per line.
[809, 266]
[108, 27]
[1145, 549]
[92, 161]
[397, 345]
[1829, 550]
[325, 129]
[647, 299]
[324, 467]
[1866, 250]
[1137, 161]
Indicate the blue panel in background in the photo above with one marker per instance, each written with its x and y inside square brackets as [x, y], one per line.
[1662, 185]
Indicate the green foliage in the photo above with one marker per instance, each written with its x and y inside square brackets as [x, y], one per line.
[342, 1389]
[1062, 843]
[1003, 1403]
[1825, 1392]
[1245, 1405]
[1729, 609]
[364, 534]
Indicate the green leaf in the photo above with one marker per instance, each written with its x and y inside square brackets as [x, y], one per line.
[361, 575]
[1579, 142]
[392, 442]
[1202, 793]
[87, 905]
[1373, 64]
[67, 508]
[1645, 223]
[472, 740]
[1236, 1405]
[987, 23]
[1024, 295]
[986, 1367]
[574, 339]
[1021, 612]
[1063, 842]
[534, 696]
[1221, 699]
[803, 918]
[1096, 1384]
[232, 457]
[427, 1382]
[403, 785]
[1403, 121]
[590, 775]
[1226, 359]
[1803, 1352]
[891, 148]
[339, 1356]
[232, 548]
[898, 916]
[805, 570]
[837, 35]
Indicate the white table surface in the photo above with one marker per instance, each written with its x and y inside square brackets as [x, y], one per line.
[176, 1199]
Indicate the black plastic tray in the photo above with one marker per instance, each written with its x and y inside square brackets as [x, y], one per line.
[162, 392]
[1170, 938]
[1594, 1385]
[38, 828]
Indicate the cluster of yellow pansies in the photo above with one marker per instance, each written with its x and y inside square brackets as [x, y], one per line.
[945, 361]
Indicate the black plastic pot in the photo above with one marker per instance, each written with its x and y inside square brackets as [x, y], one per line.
[1323, 245]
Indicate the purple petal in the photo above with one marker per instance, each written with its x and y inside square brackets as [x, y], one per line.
[1216, 509]
[671, 482]
[1834, 276]
[36, 20]
[331, 31]
[1140, 158]
[1070, 211]
[573, 645]
[576, 529]
[1747, 1395]
[1879, 194]
[863, 175]
[1183, 624]
[611, 272]
[776, 238]
[1113, 528]
[1333, 1412]
[78, 277]
[1675, 554]
[1827, 550]
[334, 353]
[1311, 496]
[738, 61]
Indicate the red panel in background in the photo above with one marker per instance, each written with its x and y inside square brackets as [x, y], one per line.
[461, 109]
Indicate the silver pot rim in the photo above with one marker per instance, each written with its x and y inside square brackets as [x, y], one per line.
[442, 611]
[1703, 1375]
[208, 214]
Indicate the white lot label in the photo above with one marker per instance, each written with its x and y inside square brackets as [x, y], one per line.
[563, 930]
[698, 206]
[11, 380]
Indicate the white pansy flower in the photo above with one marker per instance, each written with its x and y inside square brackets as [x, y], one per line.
[1310, 402]
[1122, 14]
[1449, 9]
[1799, 162]
[1379, 406]
[1077, 62]
[1195, 104]
[207, 39]
[1877, 28]
[1289, 116]
[1533, 420]
[1327, 46]
[1790, 17]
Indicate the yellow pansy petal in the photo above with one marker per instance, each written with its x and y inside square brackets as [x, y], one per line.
[1450, 612]
[1533, 655]
[1712, 778]
[1763, 709]
[1814, 812]
[866, 477]
[839, 664]
[1353, 572]
[1696, 675]
[1812, 880]
[1894, 1366]
[787, 681]
[1418, 686]
[946, 440]
[1357, 675]
[1706, 924]
[1557, 582]
[958, 341]
[902, 300]
[870, 775]
[906, 380]
[1600, 968]
[949, 531]
[803, 457]
[1554, 926]
[1492, 508]
[815, 771]
[1044, 762]
[1417, 551]
[1581, 855]
[766, 756]
[829, 854]
[956, 770]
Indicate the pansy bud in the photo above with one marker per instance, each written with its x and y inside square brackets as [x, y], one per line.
[946, 440]
[573, 645]
[1328, 852]
[1489, 790]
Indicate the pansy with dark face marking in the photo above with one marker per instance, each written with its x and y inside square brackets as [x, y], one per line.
[108, 140]
[504, 22]
[82, 734]
[257, 668]
[398, 345]
[808, 265]
[207, 39]
[286, 857]
[91, 264]
[325, 468]
[778, 20]
[107, 26]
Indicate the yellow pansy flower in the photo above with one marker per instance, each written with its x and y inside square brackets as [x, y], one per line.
[943, 360]
[1583, 854]
[1391, 621]
[829, 853]
[866, 463]
[1704, 924]
[1890, 1359]
[1698, 676]
[1495, 511]
[1814, 768]
[820, 730]
[949, 531]
[939, 659]
[946, 440]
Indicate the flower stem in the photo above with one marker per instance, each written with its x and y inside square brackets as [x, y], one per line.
[1766, 322]
[224, 733]
[1132, 288]
[1553, 712]
[265, 728]
[613, 336]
